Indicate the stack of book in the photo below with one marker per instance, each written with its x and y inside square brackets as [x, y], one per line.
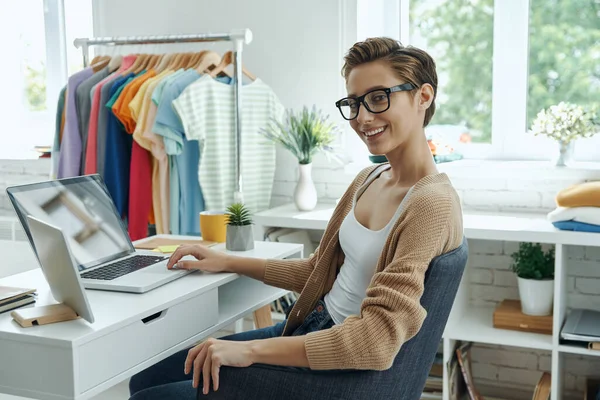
[434, 385]
[13, 297]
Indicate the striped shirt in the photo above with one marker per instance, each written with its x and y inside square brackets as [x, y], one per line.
[207, 112]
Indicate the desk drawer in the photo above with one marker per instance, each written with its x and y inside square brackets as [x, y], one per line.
[110, 355]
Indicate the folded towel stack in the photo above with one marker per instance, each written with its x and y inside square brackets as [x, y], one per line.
[578, 208]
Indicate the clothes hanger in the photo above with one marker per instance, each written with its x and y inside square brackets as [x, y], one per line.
[135, 65]
[143, 64]
[153, 62]
[115, 62]
[174, 61]
[99, 64]
[195, 59]
[210, 58]
[225, 61]
[96, 59]
[185, 60]
[166, 60]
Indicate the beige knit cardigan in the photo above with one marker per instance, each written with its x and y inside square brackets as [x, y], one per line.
[429, 225]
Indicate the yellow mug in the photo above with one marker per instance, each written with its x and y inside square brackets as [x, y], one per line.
[213, 226]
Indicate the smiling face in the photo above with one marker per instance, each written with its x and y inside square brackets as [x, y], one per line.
[384, 132]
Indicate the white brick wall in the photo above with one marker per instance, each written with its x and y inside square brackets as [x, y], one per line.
[16, 172]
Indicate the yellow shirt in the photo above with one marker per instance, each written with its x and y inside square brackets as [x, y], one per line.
[585, 194]
[141, 104]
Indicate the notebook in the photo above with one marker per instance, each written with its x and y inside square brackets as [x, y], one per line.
[9, 293]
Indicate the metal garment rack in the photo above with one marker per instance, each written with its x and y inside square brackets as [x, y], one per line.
[237, 37]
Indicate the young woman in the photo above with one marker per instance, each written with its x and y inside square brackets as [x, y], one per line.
[360, 291]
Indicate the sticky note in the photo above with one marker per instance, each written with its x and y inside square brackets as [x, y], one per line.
[168, 249]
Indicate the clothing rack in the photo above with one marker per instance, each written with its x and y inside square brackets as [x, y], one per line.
[237, 37]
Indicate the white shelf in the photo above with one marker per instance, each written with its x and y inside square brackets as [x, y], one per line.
[518, 227]
[244, 292]
[476, 325]
[565, 348]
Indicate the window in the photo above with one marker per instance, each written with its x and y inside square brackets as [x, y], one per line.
[32, 77]
[499, 62]
[459, 37]
[564, 59]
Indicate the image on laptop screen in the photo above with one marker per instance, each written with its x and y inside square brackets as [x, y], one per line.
[82, 208]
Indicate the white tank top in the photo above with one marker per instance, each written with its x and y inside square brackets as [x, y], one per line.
[362, 248]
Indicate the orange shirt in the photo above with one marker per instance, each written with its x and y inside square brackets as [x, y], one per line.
[121, 106]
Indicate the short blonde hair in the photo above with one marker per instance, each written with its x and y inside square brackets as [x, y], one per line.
[412, 64]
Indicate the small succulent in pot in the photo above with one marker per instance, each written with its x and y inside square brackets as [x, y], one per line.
[239, 228]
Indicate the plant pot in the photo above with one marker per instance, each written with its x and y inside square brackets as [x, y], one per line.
[536, 296]
[305, 193]
[239, 238]
[564, 154]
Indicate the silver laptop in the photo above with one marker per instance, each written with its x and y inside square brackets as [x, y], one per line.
[83, 210]
[582, 325]
[59, 267]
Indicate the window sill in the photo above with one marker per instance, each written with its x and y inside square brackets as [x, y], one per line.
[497, 169]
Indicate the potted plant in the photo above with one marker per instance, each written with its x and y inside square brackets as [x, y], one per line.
[535, 275]
[239, 236]
[565, 122]
[304, 134]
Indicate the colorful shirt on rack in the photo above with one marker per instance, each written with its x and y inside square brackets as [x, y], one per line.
[70, 153]
[84, 102]
[161, 170]
[118, 153]
[142, 202]
[121, 107]
[91, 157]
[188, 202]
[206, 109]
[55, 154]
[139, 106]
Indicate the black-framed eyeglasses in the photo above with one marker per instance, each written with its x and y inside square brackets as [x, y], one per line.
[376, 101]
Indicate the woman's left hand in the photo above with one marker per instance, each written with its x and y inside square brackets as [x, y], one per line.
[208, 357]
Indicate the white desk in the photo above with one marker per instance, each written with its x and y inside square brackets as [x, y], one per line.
[78, 360]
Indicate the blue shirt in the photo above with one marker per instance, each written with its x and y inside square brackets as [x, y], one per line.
[118, 154]
[576, 226]
[186, 200]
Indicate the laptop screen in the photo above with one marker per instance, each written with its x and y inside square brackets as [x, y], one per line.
[82, 208]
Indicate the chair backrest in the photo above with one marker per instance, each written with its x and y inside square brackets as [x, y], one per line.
[406, 378]
[414, 361]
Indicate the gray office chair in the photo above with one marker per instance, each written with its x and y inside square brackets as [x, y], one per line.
[406, 378]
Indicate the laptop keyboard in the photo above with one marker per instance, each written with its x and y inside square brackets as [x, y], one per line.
[122, 267]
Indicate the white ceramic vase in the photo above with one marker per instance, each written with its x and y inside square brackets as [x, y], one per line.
[536, 296]
[305, 193]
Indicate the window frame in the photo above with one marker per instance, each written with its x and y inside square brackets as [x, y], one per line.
[510, 72]
[56, 51]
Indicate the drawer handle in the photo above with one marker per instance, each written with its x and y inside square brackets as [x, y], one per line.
[154, 317]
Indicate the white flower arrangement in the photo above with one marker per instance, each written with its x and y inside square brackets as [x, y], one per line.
[565, 122]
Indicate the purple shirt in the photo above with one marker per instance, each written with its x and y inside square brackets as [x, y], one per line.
[70, 148]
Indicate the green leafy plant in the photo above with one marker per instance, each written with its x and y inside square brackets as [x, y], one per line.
[531, 262]
[303, 134]
[238, 215]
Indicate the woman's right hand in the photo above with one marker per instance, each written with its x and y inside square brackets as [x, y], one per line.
[206, 259]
